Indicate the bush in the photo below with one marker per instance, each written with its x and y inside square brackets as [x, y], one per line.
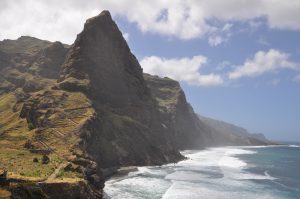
[30, 126]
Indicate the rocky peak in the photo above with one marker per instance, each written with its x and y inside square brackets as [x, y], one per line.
[49, 60]
[101, 64]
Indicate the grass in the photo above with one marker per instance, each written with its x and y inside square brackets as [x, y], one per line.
[67, 115]
[13, 130]
[20, 162]
[68, 174]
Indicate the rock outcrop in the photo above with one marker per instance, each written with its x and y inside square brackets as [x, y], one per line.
[126, 128]
[186, 130]
[189, 130]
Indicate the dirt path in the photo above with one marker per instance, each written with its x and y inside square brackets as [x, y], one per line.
[57, 170]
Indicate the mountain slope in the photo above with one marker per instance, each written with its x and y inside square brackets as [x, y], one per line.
[228, 134]
[125, 128]
[187, 131]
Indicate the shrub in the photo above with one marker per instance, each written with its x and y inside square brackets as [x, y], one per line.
[30, 126]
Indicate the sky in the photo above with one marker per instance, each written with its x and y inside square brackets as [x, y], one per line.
[237, 60]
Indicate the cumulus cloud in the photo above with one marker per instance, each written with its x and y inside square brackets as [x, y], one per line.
[185, 19]
[263, 62]
[182, 69]
[221, 35]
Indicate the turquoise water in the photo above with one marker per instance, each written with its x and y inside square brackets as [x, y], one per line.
[228, 173]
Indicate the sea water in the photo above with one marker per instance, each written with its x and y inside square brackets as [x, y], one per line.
[271, 172]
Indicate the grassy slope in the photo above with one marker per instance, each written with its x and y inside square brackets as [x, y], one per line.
[61, 136]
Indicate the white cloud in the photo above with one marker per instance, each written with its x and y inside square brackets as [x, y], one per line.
[215, 40]
[185, 19]
[126, 36]
[182, 69]
[263, 62]
[220, 35]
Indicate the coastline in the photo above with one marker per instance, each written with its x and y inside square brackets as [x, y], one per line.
[213, 172]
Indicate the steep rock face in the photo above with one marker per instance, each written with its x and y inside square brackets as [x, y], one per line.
[125, 129]
[225, 134]
[29, 63]
[48, 61]
[187, 131]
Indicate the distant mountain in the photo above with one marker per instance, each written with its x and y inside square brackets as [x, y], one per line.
[230, 134]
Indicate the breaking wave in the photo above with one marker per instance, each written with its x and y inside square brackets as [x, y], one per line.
[209, 174]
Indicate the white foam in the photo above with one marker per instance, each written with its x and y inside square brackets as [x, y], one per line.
[294, 146]
[137, 187]
[185, 176]
[266, 146]
[250, 176]
[211, 173]
[189, 190]
[231, 162]
[239, 152]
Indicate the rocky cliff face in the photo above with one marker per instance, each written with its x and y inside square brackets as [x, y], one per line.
[186, 130]
[125, 129]
[189, 130]
[225, 134]
[73, 113]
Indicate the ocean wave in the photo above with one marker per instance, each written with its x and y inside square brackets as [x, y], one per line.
[210, 173]
[189, 190]
[231, 162]
[294, 146]
[229, 159]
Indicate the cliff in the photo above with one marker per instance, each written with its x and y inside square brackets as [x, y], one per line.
[125, 129]
[71, 115]
[229, 134]
[187, 131]
[192, 131]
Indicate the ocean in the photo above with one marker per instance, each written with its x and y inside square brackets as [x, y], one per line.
[271, 172]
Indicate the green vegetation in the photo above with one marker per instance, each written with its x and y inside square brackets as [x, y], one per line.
[31, 126]
[20, 162]
[68, 174]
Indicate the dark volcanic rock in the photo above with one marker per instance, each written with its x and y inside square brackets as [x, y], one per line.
[126, 128]
[186, 130]
[49, 60]
[101, 55]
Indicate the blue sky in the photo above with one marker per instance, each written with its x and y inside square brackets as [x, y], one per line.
[267, 103]
[237, 60]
